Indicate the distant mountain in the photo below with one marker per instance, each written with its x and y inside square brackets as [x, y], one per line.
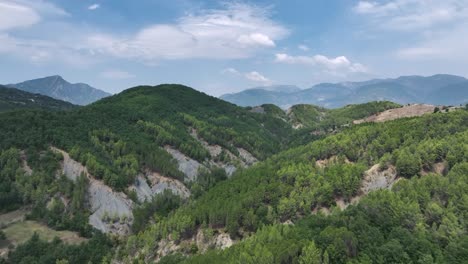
[13, 99]
[58, 88]
[262, 95]
[437, 89]
[280, 88]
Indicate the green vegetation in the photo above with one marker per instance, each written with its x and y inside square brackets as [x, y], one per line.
[124, 134]
[37, 250]
[22, 231]
[14, 99]
[322, 119]
[43, 191]
[422, 219]
[289, 186]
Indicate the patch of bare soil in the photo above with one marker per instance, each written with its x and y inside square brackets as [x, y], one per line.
[392, 114]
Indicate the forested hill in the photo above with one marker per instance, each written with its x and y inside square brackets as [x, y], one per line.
[188, 174]
[425, 159]
[13, 99]
[134, 127]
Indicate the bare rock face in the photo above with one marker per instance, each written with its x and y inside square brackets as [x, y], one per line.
[375, 179]
[247, 157]
[111, 211]
[187, 165]
[70, 167]
[158, 185]
[142, 189]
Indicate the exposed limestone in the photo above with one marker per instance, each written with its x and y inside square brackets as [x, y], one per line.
[215, 151]
[111, 211]
[142, 189]
[217, 239]
[165, 247]
[297, 126]
[341, 203]
[187, 165]
[375, 179]
[161, 183]
[392, 114]
[223, 241]
[437, 168]
[325, 162]
[247, 157]
[71, 168]
[158, 185]
[229, 169]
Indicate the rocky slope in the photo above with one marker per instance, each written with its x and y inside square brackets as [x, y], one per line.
[111, 210]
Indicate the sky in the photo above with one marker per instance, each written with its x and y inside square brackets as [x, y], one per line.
[223, 47]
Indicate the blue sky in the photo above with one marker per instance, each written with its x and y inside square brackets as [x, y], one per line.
[227, 46]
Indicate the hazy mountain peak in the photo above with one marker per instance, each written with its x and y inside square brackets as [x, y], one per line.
[57, 87]
[436, 89]
[278, 88]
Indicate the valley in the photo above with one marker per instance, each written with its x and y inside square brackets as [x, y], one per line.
[174, 175]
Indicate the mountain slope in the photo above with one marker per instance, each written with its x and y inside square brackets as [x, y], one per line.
[453, 94]
[13, 99]
[135, 145]
[437, 89]
[56, 87]
[335, 172]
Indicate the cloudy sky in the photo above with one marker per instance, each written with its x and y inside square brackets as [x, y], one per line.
[227, 46]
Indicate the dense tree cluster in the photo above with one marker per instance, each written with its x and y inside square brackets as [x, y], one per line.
[291, 185]
[421, 220]
[122, 135]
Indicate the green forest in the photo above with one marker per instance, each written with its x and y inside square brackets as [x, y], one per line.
[283, 209]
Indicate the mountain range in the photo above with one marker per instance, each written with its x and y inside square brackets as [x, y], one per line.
[58, 88]
[440, 89]
[13, 99]
[169, 174]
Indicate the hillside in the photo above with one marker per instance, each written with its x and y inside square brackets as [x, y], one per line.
[322, 120]
[382, 192]
[171, 173]
[132, 146]
[440, 89]
[14, 99]
[58, 88]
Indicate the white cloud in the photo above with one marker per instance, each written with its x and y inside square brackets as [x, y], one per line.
[303, 47]
[230, 71]
[408, 15]
[417, 52]
[93, 7]
[251, 76]
[367, 7]
[257, 77]
[237, 31]
[337, 64]
[14, 15]
[256, 39]
[116, 75]
[285, 58]
[442, 46]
